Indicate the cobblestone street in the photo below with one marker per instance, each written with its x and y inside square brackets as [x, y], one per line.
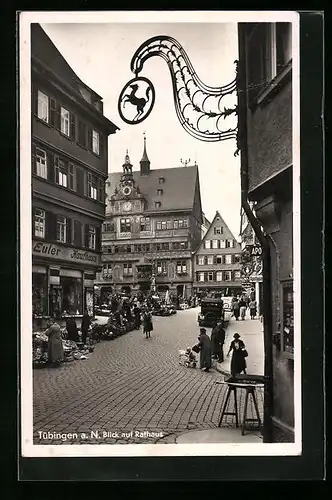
[129, 386]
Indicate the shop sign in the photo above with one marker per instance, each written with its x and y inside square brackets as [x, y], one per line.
[39, 248]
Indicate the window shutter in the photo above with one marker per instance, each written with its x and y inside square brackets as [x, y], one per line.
[50, 166]
[86, 235]
[72, 126]
[52, 111]
[33, 159]
[71, 176]
[101, 145]
[197, 261]
[69, 228]
[77, 233]
[35, 99]
[80, 181]
[56, 169]
[50, 233]
[98, 239]
[58, 117]
[90, 139]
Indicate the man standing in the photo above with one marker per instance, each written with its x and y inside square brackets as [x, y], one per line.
[217, 342]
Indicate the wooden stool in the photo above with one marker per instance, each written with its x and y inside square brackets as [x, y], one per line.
[250, 390]
[231, 389]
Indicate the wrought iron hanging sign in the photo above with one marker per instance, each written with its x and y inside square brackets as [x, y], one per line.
[200, 108]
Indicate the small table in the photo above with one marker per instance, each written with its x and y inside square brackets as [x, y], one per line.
[250, 388]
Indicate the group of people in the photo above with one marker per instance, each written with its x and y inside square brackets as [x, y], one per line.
[240, 306]
[210, 348]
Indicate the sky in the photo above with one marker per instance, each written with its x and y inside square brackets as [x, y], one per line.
[100, 55]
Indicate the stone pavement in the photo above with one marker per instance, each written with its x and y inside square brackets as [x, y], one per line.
[130, 390]
[251, 332]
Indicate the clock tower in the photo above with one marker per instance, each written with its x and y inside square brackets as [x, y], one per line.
[127, 197]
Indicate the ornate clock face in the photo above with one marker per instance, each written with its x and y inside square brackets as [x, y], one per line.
[126, 190]
[127, 206]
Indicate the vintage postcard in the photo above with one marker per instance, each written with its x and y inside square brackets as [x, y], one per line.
[160, 234]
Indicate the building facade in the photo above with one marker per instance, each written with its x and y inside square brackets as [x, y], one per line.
[265, 133]
[153, 224]
[217, 261]
[251, 259]
[69, 169]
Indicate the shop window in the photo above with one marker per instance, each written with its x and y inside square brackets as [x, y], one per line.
[41, 163]
[92, 238]
[61, 229]
[39, 294]
[64, 173]
[39, 222]
[55, 301]
[219, 275]
[125, 225]
[145, 224]
[43, 106]
[71, 295]
[95, 142]
[65, 121]
[95, 187]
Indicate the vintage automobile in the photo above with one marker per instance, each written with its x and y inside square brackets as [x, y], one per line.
[212, 310]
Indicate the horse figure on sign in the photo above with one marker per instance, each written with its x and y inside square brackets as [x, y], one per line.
[139, 102]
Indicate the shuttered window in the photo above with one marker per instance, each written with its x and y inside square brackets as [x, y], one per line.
[77, 236]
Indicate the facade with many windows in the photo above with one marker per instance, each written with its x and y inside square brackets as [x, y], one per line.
[217, 261]
[69, 170]
[153, 224]
[265, 138]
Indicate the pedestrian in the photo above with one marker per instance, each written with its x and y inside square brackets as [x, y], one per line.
[215, 343]
[137, 316]
[243, 308]
[220, 340]
[205, 350]
[86, 322]
[71, 329]
[238, 362]
[54, 345]
[147, 324]
[253, 309]
[236, 309]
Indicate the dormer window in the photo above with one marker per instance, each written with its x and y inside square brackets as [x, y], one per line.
[160, 192]
[157, 204]
[161, 180]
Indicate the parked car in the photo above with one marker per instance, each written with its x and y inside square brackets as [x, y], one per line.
[211, 311]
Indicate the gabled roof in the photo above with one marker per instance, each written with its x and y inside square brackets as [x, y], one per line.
[227, 233]
[45, 53]
[178, 187]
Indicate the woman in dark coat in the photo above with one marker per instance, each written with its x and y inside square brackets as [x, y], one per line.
[238, 362]
[205, 350]
[85, 326]
[137, 315]
[71, 329]
[147, 324]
